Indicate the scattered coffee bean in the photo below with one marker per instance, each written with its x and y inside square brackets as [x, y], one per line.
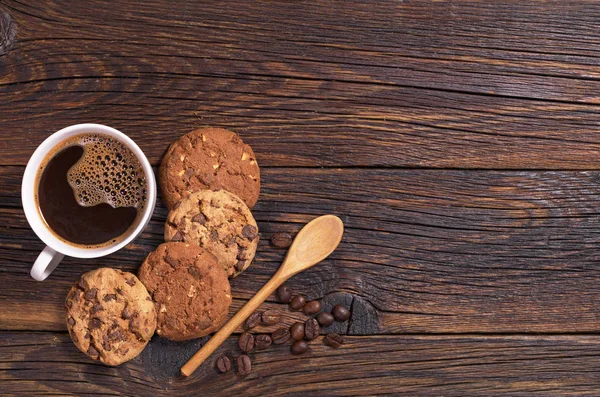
[281, 240]
[325, 319]
[299, 347]
[284, 294]
[297, 331]
[340, 312]
[246, 342]
[244, 365]
[333, 340]
[311, 329]
[262, 341]
[298, 302]
[280, 336]
[223, 364]
[271, 317]
[252, 321]
[311, 307]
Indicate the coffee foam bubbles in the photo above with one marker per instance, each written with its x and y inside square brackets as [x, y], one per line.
[107, 172]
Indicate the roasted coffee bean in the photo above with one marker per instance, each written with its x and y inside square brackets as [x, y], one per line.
[325, 319]
[262, 341]
[340, 312]
[280, 336]
[252, 321]
[311, 329]
[244, 365]
[333, 340]
[281, 240]
[297, 331]
[311, 307]
[246, 342]
[271, 317]
[223, 364]
[299, 347]
[298, 302]
[284, 294]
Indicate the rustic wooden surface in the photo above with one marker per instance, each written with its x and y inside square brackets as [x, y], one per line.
[458, 140]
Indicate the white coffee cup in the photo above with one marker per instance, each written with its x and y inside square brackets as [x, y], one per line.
[56, 249]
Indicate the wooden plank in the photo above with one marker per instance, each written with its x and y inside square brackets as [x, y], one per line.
[375, 365]
[461, 84]
[424, 251]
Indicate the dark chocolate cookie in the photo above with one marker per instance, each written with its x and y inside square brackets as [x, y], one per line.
[219, 222]
[110, 315]
[209, 159]
[190, 290]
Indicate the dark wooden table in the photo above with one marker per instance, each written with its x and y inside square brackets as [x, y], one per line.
[458, 140]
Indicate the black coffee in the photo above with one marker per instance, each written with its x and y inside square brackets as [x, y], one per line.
[91, 190]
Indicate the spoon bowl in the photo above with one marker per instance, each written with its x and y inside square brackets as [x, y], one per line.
[315, 242]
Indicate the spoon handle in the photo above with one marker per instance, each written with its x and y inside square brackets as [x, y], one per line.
[237, 320]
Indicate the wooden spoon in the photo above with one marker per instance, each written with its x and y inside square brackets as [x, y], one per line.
[319, 238]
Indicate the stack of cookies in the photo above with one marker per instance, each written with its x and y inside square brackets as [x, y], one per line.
[209, 180]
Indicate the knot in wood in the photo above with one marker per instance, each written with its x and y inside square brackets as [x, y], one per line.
[8, 32]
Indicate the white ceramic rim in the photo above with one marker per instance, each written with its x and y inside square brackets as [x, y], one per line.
[28, 191]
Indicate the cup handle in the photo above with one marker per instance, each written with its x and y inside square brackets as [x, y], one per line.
[45, 263]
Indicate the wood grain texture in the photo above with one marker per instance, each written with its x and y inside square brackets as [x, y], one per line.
[423, 252]
[398, 116]
[452, 84]
[377, 365]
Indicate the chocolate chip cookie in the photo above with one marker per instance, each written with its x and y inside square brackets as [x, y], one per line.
[110, 315]
[218, 221]
[209, 159]
[190, 290]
